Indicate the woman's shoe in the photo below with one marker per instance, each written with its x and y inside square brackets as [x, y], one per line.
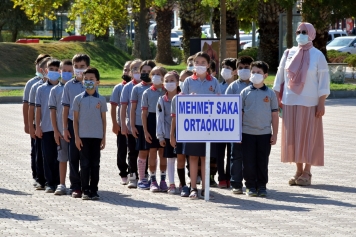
[302, 181]
[294, 178]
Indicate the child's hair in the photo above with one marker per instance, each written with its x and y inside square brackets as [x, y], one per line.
[206, 56]
[260, 64]
[128, 62]
[190, 58]
[94, 71]
[212, 66]
[230, 62]
[66, 62]
[54, 63]
[81, 57]
[150, 63]
[174, 73]
[244, 60]
[136, 60]
[43, 63]
[41, 57]
[162, 70]
[187, 72]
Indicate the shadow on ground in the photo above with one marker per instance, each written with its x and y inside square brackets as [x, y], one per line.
[6, 213]
[12, 192]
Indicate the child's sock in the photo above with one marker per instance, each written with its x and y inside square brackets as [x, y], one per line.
[163, 176]
[153, 176]
[171, 162]
[181, 175]
[141, 166]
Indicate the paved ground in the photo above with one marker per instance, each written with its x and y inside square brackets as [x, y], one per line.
[327, 208]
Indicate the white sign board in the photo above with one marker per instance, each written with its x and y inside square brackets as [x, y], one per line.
[208, 118]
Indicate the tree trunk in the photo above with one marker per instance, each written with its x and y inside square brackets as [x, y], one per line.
[222, 55]
[120, 39]
[163, 18]
[145, 52]
[136, 47]
[268, 21]
[216, 21]
[14, 33]
[290, 27]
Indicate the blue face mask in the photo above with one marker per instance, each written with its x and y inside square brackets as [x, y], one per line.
[89, 85]
[53, 75]
[40, 75]
[67, 76]
[302, 39]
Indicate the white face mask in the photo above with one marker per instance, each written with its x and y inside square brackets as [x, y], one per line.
[190, 68]
[226, 73]
[170, 86]
[156, 79]
[79, 72]
[200, 69]
[302, 39]
[256, 78]
[244, 74]
[137, 77]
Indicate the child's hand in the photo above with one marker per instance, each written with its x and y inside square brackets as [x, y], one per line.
[66, 135]
[57, 137]
[116, 128]
[124, 130]
[38, 132]
[162, 143]
[173, 142]
[102, 144]
[32, 131]
[26, 128]
[274, 139]
[134, 131]
[78, 143]
[148, 137]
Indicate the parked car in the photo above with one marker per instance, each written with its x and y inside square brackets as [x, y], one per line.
[345, 44]
[80, 38]
[180, 34]
[175, 41]
[249, 44]
[334, 34]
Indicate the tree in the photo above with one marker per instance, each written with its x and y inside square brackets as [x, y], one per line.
[164, 11]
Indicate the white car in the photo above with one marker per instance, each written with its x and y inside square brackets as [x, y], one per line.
[346, 44]
[175, 41]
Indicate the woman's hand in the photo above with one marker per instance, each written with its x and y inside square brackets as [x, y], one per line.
[320, 110]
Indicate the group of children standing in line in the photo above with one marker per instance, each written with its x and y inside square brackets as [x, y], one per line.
[70, 125]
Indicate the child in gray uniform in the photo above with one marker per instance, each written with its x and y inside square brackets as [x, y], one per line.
[260, 111]
[90, 130]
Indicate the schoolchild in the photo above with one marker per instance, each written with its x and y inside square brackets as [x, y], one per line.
[56, 110]
[71, 89]
[260, 113]
[90, 132]
[183, 75]
[243, 71]
[228, 73]
[148, 115]
[121, 142]
[136, 121]
[212, 68]
[125, 121]
[200, 83]
[41, 181]
[190, 63]
[44, 128]
[25, 110]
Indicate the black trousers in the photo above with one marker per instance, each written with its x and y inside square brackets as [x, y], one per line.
[223, 170]
[236, 165]
[132, 154]
[74, 159]
[90, 164]
[50, 162]
[121, 155]
[256, 150]
[40, 178]
[33, 158]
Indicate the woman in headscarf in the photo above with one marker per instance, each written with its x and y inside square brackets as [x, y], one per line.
[302, 85]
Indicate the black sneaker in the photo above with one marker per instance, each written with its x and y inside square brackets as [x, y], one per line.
[95, 196]
[86, 195]
[262, 192]
[212, 181]
[251, 192]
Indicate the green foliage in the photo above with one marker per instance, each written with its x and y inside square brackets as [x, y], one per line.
[153, 48]
[41, 37]
[7, 36]
[178, 54]
[129, 46]
[252, 52]
[351, 60]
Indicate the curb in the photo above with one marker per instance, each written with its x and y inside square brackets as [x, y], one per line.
[333, 95]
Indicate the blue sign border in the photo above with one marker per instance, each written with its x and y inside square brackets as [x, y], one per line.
[207, 95]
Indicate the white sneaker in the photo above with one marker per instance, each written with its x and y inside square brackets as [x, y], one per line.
[61, 190]
[124, 180]
[132, 181]
[198, 179]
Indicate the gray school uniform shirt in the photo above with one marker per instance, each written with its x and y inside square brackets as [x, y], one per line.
[125, 98]
[136, 97]
[42, 98]
[193, 84]
[115, 98]
[257, 107]
[32, 97]
[223, 87]
[71, 89]
[90, 108]
[150, 97]
[27, 89]
[54, 102]
[236, 87]
[163, 118]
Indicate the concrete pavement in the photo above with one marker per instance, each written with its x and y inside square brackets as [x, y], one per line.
[327, 208]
